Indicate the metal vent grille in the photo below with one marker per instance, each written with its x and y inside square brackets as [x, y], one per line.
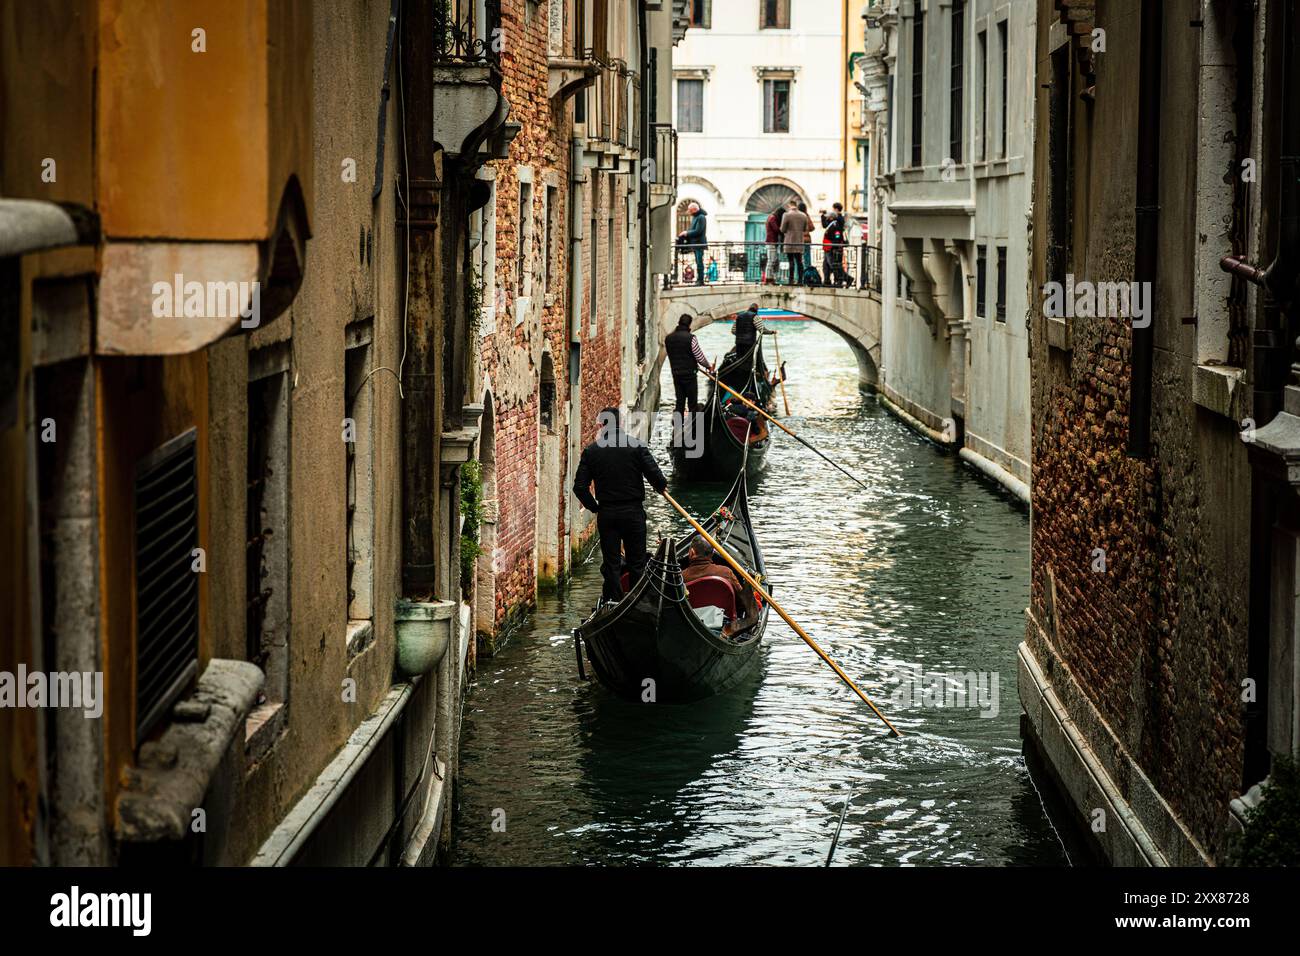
[166, 587]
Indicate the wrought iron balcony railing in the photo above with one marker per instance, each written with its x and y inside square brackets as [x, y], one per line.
[457, 38]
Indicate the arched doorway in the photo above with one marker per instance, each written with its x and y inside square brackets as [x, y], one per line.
[485, 579]
[762, 202]
[550, 479]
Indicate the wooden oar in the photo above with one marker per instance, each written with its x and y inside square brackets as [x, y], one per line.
[801, 441]
[780, 371]
[735, 565]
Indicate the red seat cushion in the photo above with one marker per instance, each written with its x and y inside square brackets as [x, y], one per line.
[739, 427]
[710, 591]
[627, 582]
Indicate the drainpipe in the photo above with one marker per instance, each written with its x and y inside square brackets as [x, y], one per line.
[575, 340]
[1271, 350]
[1148, 222]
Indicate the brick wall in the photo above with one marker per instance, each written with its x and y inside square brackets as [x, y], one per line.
[513, 356]
[1157, 640]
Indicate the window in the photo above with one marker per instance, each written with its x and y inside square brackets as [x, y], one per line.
[166, 585]
[1002, 44]
[1002, 284]
[690, 106]
[552, 213]
[546, 395]
[266, 554]
[984, 94]
[358, 421]
[593, 237]
[1059, 158]
[918, 84]
[774, 14]
[524, 254]
[483, 255]
[611, 235]
[776, 106]
[701, 13]
[981, 279]
[958, 24]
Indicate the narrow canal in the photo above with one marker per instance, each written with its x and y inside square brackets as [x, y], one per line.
[929, 569]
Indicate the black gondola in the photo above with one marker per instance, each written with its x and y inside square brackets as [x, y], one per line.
[714, 445]
[656, 634]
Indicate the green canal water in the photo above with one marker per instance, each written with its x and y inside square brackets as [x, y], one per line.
[925, 574]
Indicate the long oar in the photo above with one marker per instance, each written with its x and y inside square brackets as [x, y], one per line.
[835, 840]
[780, 371]
[779, 610]
[801, 441]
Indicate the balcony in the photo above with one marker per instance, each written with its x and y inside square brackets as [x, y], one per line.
[663, 185]
[469, 111]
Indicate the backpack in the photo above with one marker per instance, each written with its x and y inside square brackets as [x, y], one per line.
[811, 276]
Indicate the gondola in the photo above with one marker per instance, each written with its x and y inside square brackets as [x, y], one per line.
[712, 446]
[658, 632]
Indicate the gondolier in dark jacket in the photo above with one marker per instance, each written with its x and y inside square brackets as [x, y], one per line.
[684, 357]
[747, 329]
[619, 465]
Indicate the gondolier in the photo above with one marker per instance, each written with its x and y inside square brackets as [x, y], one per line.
[684, 357]
[618, 464]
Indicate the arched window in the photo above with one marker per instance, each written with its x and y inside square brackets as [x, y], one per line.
[683, 216]
[769, 197]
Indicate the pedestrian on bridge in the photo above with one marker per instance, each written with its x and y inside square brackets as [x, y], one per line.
[771, 267]
[695, 238]
[795, 228]
[833, 246]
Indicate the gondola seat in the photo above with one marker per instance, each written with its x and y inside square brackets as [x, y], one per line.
[740, 427]
[710, 591]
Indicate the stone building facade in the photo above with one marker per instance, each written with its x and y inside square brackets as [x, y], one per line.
[949, 93]
[1157, 673]
[240, 511]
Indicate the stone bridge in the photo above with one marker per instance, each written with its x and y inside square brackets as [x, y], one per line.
[853, 313]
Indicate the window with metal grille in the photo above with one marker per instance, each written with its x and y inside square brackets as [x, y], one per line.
[984, 95]
[1002, 46]
[266, 557]
[166, 586]
[981, 279]
[958, 23]
[918, 84]
[1002, 284]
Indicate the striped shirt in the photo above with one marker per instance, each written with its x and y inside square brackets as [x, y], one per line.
[698, 353]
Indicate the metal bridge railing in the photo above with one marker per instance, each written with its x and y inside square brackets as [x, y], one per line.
[736, 263]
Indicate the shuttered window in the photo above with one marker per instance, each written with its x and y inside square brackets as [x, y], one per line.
[166, 586]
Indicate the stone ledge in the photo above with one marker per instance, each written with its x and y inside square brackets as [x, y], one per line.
[1089, 757]
[175, 772]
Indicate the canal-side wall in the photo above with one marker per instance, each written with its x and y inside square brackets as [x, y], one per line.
[1133, 671]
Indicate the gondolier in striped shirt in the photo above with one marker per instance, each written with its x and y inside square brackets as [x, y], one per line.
[684, 357]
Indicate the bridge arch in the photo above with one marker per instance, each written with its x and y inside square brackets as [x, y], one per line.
[852, 314]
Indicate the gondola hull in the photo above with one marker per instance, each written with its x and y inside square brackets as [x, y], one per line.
[712, 447]
[657, 653]
[717, 454]
[653, 647]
